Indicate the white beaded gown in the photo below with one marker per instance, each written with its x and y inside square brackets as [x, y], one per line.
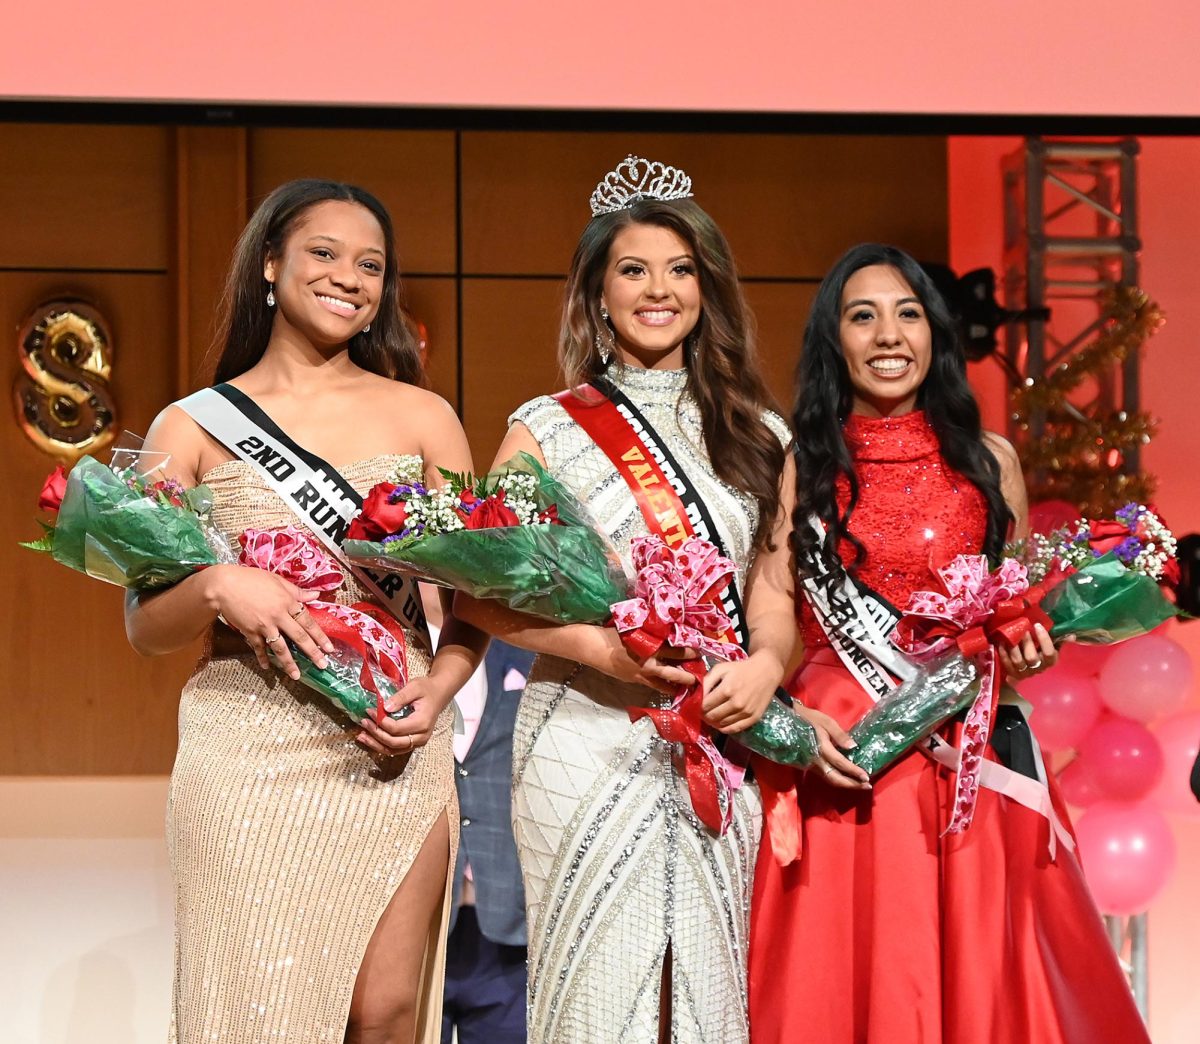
[617, 866]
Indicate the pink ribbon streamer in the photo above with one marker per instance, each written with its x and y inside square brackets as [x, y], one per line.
[934, 623]
[296, 556]
[675, 602]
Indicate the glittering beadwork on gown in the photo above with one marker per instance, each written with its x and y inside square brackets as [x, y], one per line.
[616, 864]
[884, 931]
[286, 842]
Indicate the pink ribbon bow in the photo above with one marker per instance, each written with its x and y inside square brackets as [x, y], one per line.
[978, 610]
[677, 601]
[368, 631]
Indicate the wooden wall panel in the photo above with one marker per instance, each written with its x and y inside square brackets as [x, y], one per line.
[210, 212]
[412, 172]
[435, 302]
[85, 197]
[789, 204]
[76, 698]
[781, 310]
[510, 333]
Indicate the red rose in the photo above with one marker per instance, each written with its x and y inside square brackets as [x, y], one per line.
[1107, 534]
[53, 489]
[378, 517]
[550, 515]
[492, 513]
[1170, 574]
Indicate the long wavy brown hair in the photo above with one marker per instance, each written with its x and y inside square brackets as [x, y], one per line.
[389, 348]
[722, 361]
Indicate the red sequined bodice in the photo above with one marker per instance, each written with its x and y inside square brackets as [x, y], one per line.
[914, 513]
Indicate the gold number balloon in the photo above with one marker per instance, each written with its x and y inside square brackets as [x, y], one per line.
[63, 401]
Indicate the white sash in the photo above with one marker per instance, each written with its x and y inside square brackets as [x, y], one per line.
[313, 489]
[858, 624]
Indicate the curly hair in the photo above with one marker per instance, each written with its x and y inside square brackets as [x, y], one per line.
[723, 371]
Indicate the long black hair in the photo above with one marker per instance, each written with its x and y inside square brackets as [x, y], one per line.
[388, 348]
[823, 401]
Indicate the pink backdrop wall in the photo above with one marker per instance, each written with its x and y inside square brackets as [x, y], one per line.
[1170, 226]
[941, 56]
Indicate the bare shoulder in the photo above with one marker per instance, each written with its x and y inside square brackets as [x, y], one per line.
[1003, 450]
[175, 433]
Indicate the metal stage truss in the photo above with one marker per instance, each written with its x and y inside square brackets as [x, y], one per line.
[1070, 237]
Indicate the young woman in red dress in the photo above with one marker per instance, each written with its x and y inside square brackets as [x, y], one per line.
[884, 931]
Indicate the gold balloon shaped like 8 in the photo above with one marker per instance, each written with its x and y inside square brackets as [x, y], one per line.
[63, 401]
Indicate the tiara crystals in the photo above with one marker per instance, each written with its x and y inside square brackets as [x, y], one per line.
[636, 178]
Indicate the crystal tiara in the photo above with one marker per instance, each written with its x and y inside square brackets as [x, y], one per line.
[636, 178]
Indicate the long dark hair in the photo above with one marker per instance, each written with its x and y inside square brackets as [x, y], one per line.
[823, 399]
[387, 349]
[723, 372]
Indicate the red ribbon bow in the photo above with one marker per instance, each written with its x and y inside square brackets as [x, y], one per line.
[677, 602]
[978, 611]
[370, 632]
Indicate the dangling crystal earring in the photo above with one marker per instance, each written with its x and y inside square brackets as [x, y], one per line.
[605, 348]
[271, 296]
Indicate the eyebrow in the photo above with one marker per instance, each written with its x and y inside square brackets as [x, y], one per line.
[642, 260]
[331, 239]
[867, 301]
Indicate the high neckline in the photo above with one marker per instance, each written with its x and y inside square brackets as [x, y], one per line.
[907, 437]
[648, 385]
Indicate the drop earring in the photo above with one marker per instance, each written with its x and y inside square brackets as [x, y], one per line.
[605, 349]
[271, 295]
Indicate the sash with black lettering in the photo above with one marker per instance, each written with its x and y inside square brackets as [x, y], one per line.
[858, 623]
[315, 490]
[671, 506]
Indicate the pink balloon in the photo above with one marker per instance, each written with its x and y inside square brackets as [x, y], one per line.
[1084, 659]
[1147, 677]
[1045, 516]
[1077, 786]
[1122, 758]
[1128, 854]
[1066, 704]
[1179, 737]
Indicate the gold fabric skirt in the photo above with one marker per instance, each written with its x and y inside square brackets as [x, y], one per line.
[287, 839]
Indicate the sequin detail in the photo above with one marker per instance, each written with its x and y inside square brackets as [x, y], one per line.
[286, 841]
[914, 512]
[616, 866]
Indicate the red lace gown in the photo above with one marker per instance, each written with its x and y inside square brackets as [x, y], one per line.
[884, 932]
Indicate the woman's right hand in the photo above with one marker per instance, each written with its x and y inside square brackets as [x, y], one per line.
[655, 672]
[266, 609]
[832, 739]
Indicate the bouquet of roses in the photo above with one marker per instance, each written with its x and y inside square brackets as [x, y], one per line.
[1097, 583]
[516, 535]
[519, 536]
[121, 525]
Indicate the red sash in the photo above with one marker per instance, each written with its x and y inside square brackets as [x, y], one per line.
[665, 516]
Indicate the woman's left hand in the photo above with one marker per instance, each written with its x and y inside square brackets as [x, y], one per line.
[394, 736]
[1033, 654]
[737, 694]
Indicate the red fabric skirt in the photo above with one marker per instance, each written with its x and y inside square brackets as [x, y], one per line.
[884, 932]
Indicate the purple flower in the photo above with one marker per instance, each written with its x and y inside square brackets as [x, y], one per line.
[1129, 515]
[1128, 549]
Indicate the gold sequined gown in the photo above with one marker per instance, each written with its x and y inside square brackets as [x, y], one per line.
[286, 841]
[617, 866]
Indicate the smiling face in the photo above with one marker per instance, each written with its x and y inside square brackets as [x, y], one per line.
[329, 275]
[886, 341]
[652, 293]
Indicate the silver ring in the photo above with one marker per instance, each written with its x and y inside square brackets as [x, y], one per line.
[277, 638]
[1033, 666]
